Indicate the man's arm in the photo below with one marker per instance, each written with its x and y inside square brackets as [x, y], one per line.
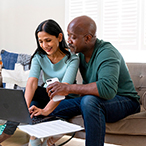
[65, 89]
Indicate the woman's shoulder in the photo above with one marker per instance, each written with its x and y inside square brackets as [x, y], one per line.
[39, 56]
[74, 56]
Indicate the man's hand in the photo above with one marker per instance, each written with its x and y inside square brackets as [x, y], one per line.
[57, 88]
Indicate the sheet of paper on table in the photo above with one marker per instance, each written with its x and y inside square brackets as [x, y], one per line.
[51, 128]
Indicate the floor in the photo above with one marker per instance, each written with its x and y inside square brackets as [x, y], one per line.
[73, 142]
[21, 139]
[77, 142]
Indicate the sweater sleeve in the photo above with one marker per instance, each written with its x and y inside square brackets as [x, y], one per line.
[71, 71]
[35, 68]
[108, 73]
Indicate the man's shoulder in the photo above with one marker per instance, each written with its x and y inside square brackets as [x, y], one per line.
[103, 44]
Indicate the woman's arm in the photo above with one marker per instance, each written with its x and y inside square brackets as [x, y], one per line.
[71, 70]
[35, 111]
[31, 87]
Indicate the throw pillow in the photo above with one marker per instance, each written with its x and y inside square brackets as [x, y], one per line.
[9, 60]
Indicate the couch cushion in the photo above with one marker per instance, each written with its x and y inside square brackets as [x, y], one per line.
[131, 125]
[77, 120]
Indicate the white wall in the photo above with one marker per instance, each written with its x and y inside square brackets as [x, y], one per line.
[20, 18]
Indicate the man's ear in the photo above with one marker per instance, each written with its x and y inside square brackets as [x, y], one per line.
[60, 37]
[88, 38]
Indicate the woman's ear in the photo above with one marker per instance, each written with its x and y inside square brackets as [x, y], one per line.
[60, 37]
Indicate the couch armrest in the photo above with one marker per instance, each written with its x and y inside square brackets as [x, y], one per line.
[143, 100]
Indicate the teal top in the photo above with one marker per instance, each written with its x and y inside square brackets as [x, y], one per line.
[65, 70]
[108, 69]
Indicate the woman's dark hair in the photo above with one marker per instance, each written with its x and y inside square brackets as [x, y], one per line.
[51, 27]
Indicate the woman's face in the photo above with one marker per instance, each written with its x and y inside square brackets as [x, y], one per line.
[49, 43]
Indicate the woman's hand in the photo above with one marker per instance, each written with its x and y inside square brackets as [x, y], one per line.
[35, 111]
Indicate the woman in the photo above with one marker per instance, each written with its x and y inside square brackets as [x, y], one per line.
[53, 58]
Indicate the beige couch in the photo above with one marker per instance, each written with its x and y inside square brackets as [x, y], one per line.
[130, 131]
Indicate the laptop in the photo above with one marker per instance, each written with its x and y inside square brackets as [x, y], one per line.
[13, 108]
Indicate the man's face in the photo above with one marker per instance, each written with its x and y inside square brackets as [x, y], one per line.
[75, 40]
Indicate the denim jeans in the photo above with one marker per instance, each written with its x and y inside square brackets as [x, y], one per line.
[96, 112]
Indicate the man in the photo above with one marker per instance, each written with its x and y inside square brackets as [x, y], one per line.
[107, 92]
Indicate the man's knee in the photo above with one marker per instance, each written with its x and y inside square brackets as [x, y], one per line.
[89, 102]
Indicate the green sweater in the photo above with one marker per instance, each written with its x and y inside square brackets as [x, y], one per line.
[108, 69]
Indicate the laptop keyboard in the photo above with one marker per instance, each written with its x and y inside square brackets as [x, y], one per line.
[39, 119]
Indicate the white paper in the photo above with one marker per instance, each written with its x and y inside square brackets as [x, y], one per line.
[51, 128]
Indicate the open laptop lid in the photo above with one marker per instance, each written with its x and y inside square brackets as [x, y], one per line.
[13, 106]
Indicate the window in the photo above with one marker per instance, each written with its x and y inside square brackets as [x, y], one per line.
[122, 22]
